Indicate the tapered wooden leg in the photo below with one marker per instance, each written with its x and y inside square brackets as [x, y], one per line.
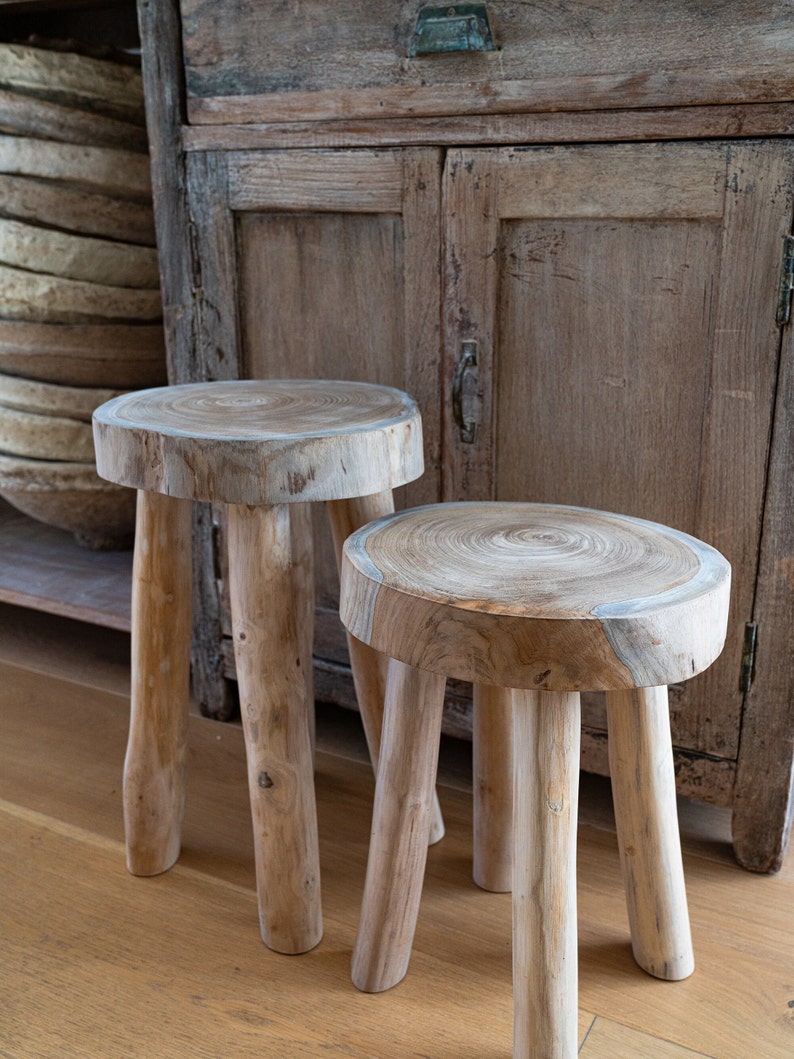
[302, 543]
[401, 820]
[154, 769]
[492, 744]
[369, 667]
[273, 708]
[643, 786]
[547, 737]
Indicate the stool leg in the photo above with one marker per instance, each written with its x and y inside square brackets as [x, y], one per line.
[275, 724]
[401, 819]
[643, 785]
[302, 544]
[492, 746]
[369, 667]
[154, 768]
[547, 736]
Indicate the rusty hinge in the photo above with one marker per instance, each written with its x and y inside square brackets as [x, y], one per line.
[748, 656]
[786, 281]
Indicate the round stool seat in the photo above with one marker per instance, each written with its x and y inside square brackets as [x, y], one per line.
[259, 442]
[536, 596]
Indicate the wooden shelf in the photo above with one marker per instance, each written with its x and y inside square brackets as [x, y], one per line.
[45, 569]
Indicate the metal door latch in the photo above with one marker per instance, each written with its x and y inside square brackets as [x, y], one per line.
[456, 27]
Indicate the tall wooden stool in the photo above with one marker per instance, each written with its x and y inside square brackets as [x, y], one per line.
[550, 601]
[265, 449]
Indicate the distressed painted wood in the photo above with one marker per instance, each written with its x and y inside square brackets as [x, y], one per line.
[154, 771]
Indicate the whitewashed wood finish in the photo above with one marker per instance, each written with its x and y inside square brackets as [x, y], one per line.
[76, 210]
[154, 771]
[104, 261]
[273, 707]
[370, 667]
[302, 566]
[44, 398]
[73, 78]
[108, 170]
[45, 437]
[118, 355]
[492, 770]
[643, 783]
[614, 602]
[261, 441]
[545, 986]
[43, 298]
[400, 827]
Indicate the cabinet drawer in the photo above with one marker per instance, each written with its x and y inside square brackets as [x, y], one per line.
[315, 59]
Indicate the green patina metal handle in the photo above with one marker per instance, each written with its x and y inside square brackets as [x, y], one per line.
[456, 27]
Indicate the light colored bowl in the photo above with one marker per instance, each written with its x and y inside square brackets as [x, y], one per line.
[44, 437]
[108, 170]
[46, 298]
[72, 78]
[50, 399]
[38, 249]
[130, 356]
[72, 497]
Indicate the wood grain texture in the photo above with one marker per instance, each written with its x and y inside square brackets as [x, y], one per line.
[545, 963]
[242, 66]
[643, 784]
[118, 355]
[493, 763]
[400, 827]
[94, 959]
[38, 297]
[29, 395]
[74, 210]
[369, 667]
[39, 249]
[154, 769]
[274, 710]
[78, 80]
[106, 170]
[536, 596]
[255, 442]
[22, 115]
[45, 437]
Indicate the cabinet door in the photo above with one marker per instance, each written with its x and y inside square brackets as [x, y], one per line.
[622, 299]
[322, 264]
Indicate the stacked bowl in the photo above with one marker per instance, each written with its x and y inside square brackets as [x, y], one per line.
[80, 305]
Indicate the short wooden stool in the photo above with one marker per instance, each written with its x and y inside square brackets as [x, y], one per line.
[550, 601]
[264, 449]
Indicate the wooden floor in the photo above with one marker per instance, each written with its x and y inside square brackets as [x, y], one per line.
[95, 963]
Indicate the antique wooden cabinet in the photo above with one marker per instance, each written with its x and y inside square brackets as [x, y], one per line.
[564, 229]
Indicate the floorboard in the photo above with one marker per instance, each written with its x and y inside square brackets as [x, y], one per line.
[95, 963]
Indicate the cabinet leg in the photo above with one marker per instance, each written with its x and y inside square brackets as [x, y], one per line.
[492, 746]
[368, 666]
[643, 785]
[400, 824]
[154, 768]
[545, 985]
[273, 708]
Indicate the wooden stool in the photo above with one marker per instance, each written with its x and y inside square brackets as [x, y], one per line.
[550, 601]
[265, 449]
